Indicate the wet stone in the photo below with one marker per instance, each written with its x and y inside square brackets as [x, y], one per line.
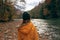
[8, 30]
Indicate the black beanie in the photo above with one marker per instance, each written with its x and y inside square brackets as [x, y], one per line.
[26, 16]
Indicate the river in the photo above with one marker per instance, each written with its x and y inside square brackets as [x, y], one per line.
[48, 29]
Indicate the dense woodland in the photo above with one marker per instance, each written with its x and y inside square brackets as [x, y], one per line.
[6, 10]
[48, 9]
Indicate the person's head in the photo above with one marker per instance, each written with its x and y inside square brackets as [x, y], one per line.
[26, 16]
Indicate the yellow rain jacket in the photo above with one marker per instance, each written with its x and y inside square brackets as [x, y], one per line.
[27, 32]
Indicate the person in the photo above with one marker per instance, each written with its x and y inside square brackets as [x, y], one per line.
[27, 30]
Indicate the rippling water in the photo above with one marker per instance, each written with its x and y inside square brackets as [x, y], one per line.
[48, 29]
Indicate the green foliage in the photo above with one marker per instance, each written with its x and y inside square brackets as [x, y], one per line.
[52, 9]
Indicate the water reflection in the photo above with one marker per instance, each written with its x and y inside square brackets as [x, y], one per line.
[48, 29]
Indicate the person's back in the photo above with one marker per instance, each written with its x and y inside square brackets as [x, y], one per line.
[27, 31]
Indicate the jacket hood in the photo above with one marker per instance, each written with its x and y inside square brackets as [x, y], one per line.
[26, 28]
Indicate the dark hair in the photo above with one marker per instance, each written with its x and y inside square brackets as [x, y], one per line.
[26, 16]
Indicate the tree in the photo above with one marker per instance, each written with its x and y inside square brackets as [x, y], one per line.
[51, 7]
[6, 11]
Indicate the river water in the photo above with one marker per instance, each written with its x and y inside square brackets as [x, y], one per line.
[48, 29]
